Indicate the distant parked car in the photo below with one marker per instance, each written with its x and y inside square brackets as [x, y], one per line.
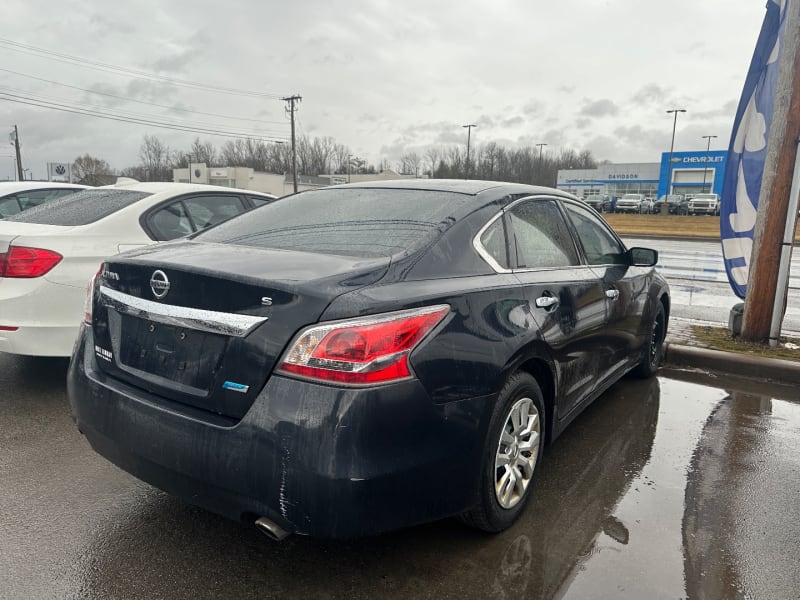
[49, 253]
[16, 196]
[630, 203]
[703, 204]
[673, 201]
[647, 206]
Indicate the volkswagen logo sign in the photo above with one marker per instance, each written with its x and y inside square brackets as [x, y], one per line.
[61, 169]
[159, 283]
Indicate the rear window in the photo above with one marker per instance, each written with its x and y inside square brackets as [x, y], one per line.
[80, 208]
[347, 221]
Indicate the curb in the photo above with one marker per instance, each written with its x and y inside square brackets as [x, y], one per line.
[757, 367]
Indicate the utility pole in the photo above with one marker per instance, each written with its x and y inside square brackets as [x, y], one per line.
[672, 147]
[20, 174]
[292, 100]
[705, 169]
[773, 236]
[469, 131]
[541, 165]
[541, 149]
[189, 164]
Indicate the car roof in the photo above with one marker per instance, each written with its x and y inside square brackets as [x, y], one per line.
[158, 187]
[12, 187]
[471, 187]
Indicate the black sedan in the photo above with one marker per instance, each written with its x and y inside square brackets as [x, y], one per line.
[362, 358]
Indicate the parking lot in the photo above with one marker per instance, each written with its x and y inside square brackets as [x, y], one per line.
[681, 486]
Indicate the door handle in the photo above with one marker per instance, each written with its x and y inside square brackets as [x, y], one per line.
[613, 294]
[546, 302]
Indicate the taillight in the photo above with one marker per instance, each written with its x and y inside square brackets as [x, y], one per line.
[361, 351]
[22, 262]
[87, 304]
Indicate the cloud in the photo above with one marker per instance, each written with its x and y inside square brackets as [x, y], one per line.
[533, 108]
[649, 94]
[599, 108]
[512, 122]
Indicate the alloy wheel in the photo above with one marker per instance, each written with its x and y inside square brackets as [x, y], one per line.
[517, 452]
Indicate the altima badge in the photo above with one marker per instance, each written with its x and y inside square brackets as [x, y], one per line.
[159, 284]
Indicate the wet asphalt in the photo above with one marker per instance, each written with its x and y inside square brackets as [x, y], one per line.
[684, 486]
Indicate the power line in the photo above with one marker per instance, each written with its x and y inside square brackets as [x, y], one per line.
[134, 73]
[124, 113]
[100, 115]
[164, 106]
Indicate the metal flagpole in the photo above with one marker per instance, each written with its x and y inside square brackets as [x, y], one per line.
[782, 286]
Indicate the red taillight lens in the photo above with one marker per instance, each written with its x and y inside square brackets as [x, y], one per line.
[361, 351]
[24, 262]
[87, 304]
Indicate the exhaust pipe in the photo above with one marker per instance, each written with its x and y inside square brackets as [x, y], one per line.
[271, 530]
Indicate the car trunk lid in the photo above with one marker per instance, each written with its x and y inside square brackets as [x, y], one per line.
[204, 324]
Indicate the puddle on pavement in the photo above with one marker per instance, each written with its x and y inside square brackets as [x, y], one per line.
[662, 489]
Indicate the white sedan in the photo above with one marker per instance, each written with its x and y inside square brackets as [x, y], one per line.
[16, 196]
[48, 254]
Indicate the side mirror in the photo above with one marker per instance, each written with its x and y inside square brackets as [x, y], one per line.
[642, 257]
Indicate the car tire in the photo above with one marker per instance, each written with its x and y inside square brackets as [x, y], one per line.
[654, 352]
[511, 455]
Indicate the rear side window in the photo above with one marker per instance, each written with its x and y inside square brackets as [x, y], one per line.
[351, 222]
[80, 208]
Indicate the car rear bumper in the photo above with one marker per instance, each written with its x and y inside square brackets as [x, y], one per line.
[45, 315]
[315, 459]
[38, 340]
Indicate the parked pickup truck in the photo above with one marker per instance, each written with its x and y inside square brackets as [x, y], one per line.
[599, 202]
[703, 204]
[632, 203]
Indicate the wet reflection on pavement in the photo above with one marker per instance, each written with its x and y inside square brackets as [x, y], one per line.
[661, 489]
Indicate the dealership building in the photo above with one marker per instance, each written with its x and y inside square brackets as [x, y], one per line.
[688, 173]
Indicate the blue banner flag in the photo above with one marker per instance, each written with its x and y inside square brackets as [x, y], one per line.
[748, 149]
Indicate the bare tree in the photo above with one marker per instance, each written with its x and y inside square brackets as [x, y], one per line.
[156, 158]
[433, 156]
[90, 170]
[203, 152]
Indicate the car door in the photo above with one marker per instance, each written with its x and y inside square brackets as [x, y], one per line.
[564, 296]
[624, 286]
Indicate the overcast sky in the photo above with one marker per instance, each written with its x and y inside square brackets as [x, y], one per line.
[384, 77]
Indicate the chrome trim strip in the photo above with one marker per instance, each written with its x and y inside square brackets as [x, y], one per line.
[484, 254]
[209, 321]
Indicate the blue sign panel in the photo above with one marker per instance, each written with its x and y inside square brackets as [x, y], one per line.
[713, 163]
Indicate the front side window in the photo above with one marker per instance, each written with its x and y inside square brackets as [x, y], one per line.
[599, 244]
[170, 222]
[206, 211]
[541, 238]
[9, 206]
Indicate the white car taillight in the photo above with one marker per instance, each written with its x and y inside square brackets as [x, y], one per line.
[366, 350]
[87, 304]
